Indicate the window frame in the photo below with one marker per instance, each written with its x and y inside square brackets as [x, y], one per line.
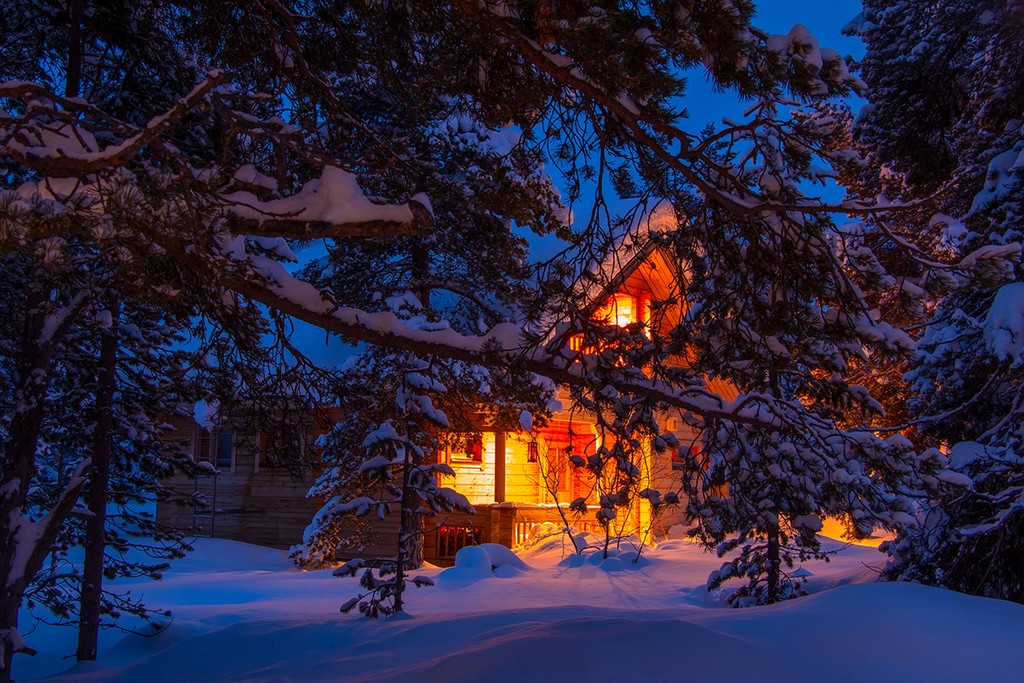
[213, 439]
[677, 460]
[462, 456]
[608, 314]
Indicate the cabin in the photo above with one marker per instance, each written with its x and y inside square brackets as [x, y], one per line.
[515, 480]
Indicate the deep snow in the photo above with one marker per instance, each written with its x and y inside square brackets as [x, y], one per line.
[243, 614]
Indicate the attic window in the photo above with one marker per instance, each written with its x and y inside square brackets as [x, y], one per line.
[623, 309]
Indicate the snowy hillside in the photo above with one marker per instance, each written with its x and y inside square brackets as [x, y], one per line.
[242, 614]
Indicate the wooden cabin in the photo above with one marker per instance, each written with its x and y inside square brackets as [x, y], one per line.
[515, 480]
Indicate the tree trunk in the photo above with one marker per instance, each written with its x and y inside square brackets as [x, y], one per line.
[404, 529]
[22, 554]
[10, 643]
[774, 566]
[18, 463]
[421, 271]
[774, 561]
[73, 77]
[95, 540]
[414, 541]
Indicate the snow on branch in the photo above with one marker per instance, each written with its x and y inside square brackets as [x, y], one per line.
[60, 148]
[332, 205]
[32, 540]
[1003, 329]
[504, 345]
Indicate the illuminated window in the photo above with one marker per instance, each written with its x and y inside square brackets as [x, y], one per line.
[468, 449]
[561, 470]
[681, 455]
[623, 309]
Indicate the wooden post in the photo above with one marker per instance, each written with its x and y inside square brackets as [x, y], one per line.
[499, 467]
[503, 523]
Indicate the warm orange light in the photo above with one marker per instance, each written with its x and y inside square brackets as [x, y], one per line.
[620, 310]
[834, 528]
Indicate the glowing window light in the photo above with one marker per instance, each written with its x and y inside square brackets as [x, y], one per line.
[619, 310]
[623, 310]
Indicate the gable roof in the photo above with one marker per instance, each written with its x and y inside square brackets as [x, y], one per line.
[639, 254]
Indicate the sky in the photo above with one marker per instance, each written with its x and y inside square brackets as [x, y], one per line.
[825, 20]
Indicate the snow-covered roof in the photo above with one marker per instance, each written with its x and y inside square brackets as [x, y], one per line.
[629, 251]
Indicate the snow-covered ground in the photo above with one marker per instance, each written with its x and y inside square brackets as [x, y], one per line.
[241, 613]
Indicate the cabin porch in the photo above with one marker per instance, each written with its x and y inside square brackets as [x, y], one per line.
[510, 524]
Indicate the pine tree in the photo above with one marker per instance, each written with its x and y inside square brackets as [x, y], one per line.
[398, 461]
[478, 180]
[944, 125]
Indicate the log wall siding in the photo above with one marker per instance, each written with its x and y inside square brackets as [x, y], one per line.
[255, 504]
[475, 480]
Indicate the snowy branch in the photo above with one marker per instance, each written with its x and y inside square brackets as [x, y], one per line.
[330, 206]
[34, 539]
[504, 346]
[37, 148]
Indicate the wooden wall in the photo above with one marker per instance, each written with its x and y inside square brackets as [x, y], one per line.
[475, 480]
[251, 503]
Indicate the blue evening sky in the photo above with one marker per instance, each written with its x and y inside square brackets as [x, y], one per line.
[825, 20]
[704, 105]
